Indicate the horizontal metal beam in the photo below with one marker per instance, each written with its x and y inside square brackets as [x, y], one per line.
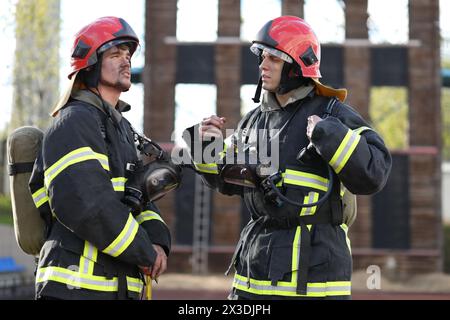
[389, 64]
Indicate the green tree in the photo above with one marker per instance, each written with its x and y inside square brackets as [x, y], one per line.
[36, 67]
[389, 114]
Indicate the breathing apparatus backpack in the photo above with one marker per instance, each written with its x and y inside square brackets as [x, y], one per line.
[24, 143]
[155, 180]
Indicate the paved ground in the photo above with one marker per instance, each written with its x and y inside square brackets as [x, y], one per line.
[216, 287]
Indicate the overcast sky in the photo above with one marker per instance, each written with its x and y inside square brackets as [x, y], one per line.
[325, 16]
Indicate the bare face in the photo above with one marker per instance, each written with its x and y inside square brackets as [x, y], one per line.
[116, 68]
[270, 67]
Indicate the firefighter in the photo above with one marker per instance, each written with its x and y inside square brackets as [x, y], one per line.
[295, 245]
[98, 246]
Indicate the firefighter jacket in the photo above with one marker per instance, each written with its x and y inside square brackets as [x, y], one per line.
[286, 251]
[95, 244]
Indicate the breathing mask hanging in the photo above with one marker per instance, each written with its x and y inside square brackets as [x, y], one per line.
[154, 179]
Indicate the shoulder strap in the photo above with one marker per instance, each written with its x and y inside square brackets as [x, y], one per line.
[330, 107]
[246, 125]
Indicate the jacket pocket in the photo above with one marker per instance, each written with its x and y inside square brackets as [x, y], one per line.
[285, 261]
[280, 267]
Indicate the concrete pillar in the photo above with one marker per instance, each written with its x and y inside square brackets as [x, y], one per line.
[226, 212]
[159, 83]
[160, 68]
[357, 58]
[357, 81]
[425, 124]
[293, 8]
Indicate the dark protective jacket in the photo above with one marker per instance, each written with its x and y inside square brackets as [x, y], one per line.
[286, 251]
[95, 244]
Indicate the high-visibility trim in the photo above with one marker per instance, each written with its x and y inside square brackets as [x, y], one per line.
[288, 289]
[310, 198]
[347, 239]
[361, 130]
[210, 168]
[124, 239]
[76, 156]
[148, 215]
[119, 184]
[344, 151]
[304, 179]
[77, 279]
[223, 153]
[40, 197]
[135, 284]
[296, 253]
[88, 258]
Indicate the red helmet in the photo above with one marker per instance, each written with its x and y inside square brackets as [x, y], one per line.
[294, 37]
[98, 37]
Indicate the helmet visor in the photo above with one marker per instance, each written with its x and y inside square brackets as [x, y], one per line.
[258, 48]
[131, 43]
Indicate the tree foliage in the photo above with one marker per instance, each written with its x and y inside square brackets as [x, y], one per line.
[389, 114]
[36, 67]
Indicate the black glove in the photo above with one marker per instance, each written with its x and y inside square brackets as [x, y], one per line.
[134, 197]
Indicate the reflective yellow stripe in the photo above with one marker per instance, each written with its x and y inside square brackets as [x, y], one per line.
[361, 130]
[310, 198]
[296, 251]
[347, 239]
[135, 284]
[223, 153]
[148, 215]
[40, 197]
[304, 179]
[296, 254]
[76, 279]
[88, 258]
[315, 289]
[76, 156]
[210, 168]
[344, 150]
[124, 239]
[119, 184]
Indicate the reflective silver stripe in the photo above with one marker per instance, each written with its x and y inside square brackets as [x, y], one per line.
[361, 130]
[124, 239]
[148, 215]
[119, 184]
[305, 179]
[40, 197]
[76, 156]
[76, 279]
[135, 285]
[210, 168]
[310, 198]
[319, 289]
[344, 151]
[88, 258]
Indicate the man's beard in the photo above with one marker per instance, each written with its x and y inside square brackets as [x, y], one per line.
[119, 85]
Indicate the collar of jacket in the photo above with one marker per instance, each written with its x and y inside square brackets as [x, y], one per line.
[269, 101]
[91, 98]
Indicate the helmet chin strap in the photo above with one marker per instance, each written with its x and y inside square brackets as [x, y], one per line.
[256, 98]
